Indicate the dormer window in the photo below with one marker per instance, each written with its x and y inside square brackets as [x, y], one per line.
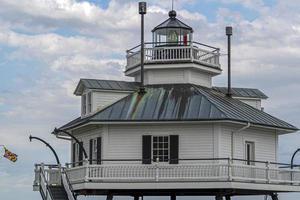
[89, 102]
[86, 102]
[83, 104]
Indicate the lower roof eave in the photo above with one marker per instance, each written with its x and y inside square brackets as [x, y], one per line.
[280, 130]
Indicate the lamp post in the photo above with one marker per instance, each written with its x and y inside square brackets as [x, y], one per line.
[142, 12]
[229, 34]
[292, 160]
[56, 131]
[48, 145]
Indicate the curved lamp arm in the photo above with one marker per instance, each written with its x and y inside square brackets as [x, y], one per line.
[56, 131]
[292, 160]
[48, 145]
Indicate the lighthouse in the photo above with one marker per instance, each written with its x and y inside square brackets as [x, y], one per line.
[181, 136]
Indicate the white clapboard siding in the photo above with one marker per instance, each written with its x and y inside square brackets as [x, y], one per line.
[125, 141]
[195, 141]
[85, 137]
[256, 103]
[162, 76]
[265, 143]
[101, 99]
[200, 78]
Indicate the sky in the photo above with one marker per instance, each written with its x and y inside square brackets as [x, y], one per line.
[46, 46]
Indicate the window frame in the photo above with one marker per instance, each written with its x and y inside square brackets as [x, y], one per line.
[89, 102]
[250, 155]
[76, 151]
[83, 104]
[158, 148]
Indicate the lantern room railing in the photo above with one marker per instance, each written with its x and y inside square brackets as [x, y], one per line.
[168, 52]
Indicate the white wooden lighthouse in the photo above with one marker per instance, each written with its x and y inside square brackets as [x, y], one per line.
[180, 136]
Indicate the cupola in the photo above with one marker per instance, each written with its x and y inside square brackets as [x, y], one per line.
[174, 57]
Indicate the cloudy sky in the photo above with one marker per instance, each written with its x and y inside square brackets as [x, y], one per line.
[47, 45]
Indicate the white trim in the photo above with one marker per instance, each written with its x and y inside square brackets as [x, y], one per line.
[202, 67]
[186, 122]
[190, 185]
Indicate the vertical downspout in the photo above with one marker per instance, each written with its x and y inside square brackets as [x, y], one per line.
[232, 137]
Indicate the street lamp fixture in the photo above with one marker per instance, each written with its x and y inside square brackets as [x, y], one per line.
[56, 132]
[48, 145]
[292, 160]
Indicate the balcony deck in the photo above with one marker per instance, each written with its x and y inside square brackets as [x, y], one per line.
[204, 174]
[190, 177]
[195, 52]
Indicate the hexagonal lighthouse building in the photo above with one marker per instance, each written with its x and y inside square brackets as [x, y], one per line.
[179, 136]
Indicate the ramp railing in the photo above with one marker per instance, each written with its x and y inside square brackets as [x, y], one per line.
[51, 175]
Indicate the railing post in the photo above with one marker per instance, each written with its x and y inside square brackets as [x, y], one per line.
[86, 165]
[157, 170]
[36, 176]
[292, 177]
[218, 57]
[192, 53]
[268, 172]
[59, 174]
[229, 169]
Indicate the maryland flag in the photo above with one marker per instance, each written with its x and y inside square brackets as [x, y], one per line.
[10, 156]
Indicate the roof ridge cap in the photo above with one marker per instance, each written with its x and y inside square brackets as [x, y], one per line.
[93, 79]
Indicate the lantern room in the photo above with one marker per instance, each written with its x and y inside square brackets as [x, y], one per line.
[172, 32]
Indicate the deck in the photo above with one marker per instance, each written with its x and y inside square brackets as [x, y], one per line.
[200, 174]
[195, 52]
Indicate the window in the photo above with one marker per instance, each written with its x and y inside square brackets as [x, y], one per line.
[83, 104]
[77, 150]
[94, 154]
[160, 148]
[250, 152]
[89, 102]
[94, 145]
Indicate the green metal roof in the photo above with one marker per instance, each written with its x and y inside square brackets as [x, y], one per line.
[181, 102]
[133, 86]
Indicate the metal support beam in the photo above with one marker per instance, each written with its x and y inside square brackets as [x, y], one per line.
[219, 197]
[228, 197]
[274, 196]
[109, 197]
[173, 197]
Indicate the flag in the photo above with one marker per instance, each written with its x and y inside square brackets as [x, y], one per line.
[10, 156]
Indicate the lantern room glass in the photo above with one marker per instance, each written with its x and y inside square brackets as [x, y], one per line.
[172, 37]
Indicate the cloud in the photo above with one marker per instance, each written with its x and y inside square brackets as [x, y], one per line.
[60, 41]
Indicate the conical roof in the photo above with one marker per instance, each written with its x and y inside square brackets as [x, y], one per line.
[173, 22]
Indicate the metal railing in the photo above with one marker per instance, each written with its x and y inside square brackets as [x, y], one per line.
[51, 175]
[188, 170]
[195, 52]
[45, 176]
